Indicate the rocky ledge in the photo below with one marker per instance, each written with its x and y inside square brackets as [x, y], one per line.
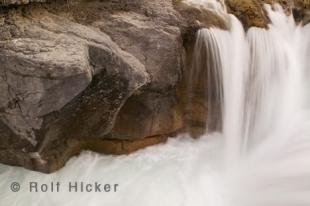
[106, 76]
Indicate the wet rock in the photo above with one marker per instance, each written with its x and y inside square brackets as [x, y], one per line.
[302, 15]
[59, 80]
[68, 79]
[252, 12]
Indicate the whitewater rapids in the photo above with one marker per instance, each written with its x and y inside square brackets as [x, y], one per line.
[261, 158]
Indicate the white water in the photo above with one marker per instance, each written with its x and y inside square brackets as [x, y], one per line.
[262, 157]
[213, 5]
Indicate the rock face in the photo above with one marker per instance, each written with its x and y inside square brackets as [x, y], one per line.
[59, 80]
[301, 11]
[109, 86]
[107, 76]
[18, 2]
[252, 13]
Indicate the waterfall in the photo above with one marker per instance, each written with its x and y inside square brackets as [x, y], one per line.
[256, 85]
[264, 110]
[261, 80]
[220, 57]
[257, 76]
[214, 5]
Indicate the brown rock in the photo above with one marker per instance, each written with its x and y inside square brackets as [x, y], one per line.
[252, 13]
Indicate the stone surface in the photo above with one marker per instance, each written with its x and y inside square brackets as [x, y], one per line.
[60, 80]
[18, 2]
[252, 13]
[108, 78]
[301, 11]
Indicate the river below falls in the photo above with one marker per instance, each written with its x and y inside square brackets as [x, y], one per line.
[174, 173]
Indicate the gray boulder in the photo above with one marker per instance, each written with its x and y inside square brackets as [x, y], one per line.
[59, 80]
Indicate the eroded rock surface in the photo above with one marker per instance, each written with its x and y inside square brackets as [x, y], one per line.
[60, 80]
[88, 75]
[252, 12]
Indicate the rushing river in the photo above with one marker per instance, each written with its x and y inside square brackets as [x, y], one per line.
[261, 157]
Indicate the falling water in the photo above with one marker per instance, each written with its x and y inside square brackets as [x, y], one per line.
[261, 157]
[214, 5]
[265, 108]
